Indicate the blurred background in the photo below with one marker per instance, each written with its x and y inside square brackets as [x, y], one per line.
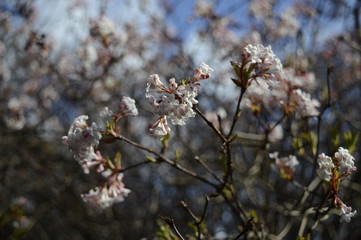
[62, 59]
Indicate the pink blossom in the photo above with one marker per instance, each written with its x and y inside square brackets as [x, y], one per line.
[160, 128]
[81, 140]
[113, 191]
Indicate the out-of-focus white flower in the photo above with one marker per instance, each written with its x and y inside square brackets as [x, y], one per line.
[106, 112]
[292, 80]
[260, 8]
[346, 213]
[81, 140]
[346, 159]
[289, 24]
[264, 56]
[276, 133]
[103, 26]
[326, 166]
[203, 8]
[290, 161]
[89, 55]
[22, 222]
[112, 192]
[127, 107]
[286, 165]
[160, 128]
[305, 105]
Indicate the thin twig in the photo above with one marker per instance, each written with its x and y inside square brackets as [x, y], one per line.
[319, 118]
[172, 225]
[216, 130]
[205, 166]
[168, 161]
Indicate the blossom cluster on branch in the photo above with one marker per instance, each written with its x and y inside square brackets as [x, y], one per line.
[82, 140]
[176, 101]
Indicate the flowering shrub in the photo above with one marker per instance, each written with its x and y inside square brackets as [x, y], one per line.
[262, 143]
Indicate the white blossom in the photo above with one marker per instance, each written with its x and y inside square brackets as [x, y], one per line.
[276, 134]
[346, 213]
[106, 196]
[103, 26]
[106, 112]
[326, 166]
[290, 161]
[127, 107]
[346, 159]
[176, 102]
[160, 128]
[289, 25]
[264, 56]
[260, 9]
[203, 8]
[81, 140]
[305, 105]
[205, 69]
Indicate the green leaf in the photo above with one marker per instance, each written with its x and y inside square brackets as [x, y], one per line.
[164, 232]
[298, 145]
[151, 159]
[335, 135]
[165, 141]
[308, 237]
[223, 161]
[237, 82]
[351, 140]
[253, 213]
[118, 160]
[178, 154]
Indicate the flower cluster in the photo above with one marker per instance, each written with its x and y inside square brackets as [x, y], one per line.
[113, 191]
[345, 159]
[305, 105]
[175, 101]
[258, 62]
[346, 213]
[264, 56]
[286, 165]
[203, 8]
[102, 27]
[81, 140]
[126, 108]
[289, 92]
[333, 170]
[326, 167]
[341, 165]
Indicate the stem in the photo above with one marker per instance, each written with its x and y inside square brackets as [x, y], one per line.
[205, 166]
[319, 118]
[211, 125]
[236, 114]
[172, 225]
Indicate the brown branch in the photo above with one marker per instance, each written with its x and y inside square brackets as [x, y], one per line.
[174, 164]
